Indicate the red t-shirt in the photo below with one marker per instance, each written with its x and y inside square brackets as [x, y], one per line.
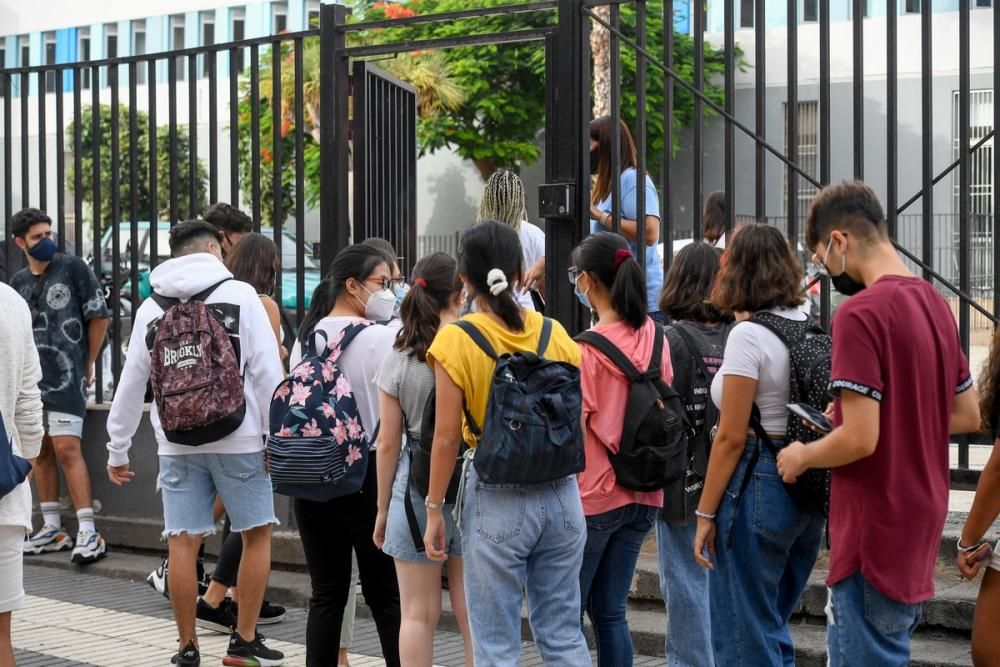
[896, 342]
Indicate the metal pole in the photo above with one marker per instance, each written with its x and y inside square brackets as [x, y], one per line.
[697, 168]
[859, 89]
[927, 130]
[792, 125]
[666, 189]
[760, 113]
[891, 85]
[334, 90]
[964, 94]
[640, 136]
[729, 161]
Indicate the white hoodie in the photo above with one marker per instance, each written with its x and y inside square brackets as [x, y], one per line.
[248, 327]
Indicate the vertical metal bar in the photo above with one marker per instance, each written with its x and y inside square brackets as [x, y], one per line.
[640, 135]
[95, 119]
[361, 149]
[60, 163]
[697, 166]
[891, 85]
[276, 146]
[825, 158]
[300, 185]
[43, 200]
[859, 88]
[8, 169]
[172, 136]
[927, 129]
[964, 93]
[760, 111]
[255, 134]
[25, 161]
[154, 192]
[77, 158]
[666, 185]
[335, 89]
[192, 137]
[234, 130]
[133, 183]
[996, 157]
[116, 280]
[729, 161]
[616, 105]
[411, 183]
[211, 64]
[792, 124]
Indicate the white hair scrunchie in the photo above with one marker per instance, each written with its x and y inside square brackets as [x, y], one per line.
[497, 281]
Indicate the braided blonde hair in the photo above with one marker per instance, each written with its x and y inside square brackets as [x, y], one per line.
[503, 200]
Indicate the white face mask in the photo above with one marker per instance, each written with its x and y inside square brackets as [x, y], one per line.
[380, 305]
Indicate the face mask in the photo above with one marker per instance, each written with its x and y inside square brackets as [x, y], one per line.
[582, 296]
[842, 282]
[380, 305]
[401, 293]
[594, 162]
[44, 250]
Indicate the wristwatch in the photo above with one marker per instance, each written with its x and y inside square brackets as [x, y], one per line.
[431, 505]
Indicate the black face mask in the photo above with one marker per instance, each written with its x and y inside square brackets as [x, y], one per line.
[594, 161]
[844, 283]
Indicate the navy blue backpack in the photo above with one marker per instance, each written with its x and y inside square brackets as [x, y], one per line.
[318, 446]
[13, 469]
[532, 431]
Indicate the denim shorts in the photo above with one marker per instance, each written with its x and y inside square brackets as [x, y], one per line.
[61, 424]
[398, 539]
[190, 482]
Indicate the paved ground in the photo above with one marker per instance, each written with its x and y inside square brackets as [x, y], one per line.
[75, 619]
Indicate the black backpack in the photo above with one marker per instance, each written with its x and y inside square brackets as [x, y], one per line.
[419, 480]
[809, 350]
[654, 447]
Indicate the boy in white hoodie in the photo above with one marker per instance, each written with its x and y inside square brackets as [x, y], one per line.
[233, 467]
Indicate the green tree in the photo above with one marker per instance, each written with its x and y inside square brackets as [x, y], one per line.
[141, 169]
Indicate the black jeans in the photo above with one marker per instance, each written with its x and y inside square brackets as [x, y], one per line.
[329, 531]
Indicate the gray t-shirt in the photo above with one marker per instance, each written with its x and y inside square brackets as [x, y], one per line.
[410, 380]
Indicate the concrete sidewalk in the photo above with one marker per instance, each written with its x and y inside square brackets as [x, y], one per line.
[76, 617]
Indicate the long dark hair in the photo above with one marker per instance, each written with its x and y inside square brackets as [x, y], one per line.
[435, 285]
[357, 261]
[689, 282]
[607, 258]
[602, 131]
[255, 260]
[989, 385]
[760, 272]
[493, 245]
[714, 217]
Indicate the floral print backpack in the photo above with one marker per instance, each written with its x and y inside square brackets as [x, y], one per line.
[318, 448]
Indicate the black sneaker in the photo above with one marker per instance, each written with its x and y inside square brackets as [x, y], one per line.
[189, 657]
[242, 653]
[221, 619]
[269, 613]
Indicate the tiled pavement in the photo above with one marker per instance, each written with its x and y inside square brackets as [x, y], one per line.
[73, 619]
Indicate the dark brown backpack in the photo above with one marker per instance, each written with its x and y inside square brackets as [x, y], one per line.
[195, 373]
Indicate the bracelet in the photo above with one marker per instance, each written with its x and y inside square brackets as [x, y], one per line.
[431, 505]
[968, 550]
[704, 515]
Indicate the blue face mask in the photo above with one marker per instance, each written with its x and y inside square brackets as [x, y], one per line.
[582, 296]
[401, 292]
[44, 250]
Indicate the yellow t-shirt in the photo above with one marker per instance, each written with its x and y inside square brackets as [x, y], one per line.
[472, 370]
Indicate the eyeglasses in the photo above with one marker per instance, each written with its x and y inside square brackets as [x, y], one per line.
[398, 281]
[572, 273]
[383, 283]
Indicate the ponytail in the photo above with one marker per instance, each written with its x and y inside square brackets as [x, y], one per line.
[491, 257]
[606, 257]
[435, 285]
[628, 293]
[357, 261]
[323, 301]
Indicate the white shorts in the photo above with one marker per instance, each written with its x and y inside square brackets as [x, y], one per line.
[995, 562]
[11, 568]
[60, 424]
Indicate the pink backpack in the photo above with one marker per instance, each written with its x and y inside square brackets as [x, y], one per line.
[195, 374]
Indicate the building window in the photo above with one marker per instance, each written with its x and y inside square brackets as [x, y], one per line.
[810, 11]
[139, 49]
[84, 56]
[239, 34]
[25, 51]
[110, 45]
[807, 157]
[50, 59]
[981, 161]
[207, 38]
[983, 4]
[279, 17]
[312, 14]
[746, 13]
[910, 7]
[177, 42]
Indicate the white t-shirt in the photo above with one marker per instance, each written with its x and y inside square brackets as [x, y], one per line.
[754, 352]
[360, 363]
[532, 249]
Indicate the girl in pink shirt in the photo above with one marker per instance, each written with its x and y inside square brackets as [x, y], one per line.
[609, 281]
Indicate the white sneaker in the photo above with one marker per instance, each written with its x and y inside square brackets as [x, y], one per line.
[90, 547]
[158, 579]
[47, 540]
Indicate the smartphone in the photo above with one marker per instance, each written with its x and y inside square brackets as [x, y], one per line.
[811, 415]
[983, 553]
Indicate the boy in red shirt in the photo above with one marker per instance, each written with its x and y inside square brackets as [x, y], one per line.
[902, 385]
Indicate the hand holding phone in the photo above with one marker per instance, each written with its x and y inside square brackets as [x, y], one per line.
[813, 417]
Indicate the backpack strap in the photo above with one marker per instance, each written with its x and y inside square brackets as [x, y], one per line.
[609, 350]
[545, 336]
[477, 336]
[166, 302]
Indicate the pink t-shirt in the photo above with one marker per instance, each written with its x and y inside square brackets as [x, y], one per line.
[605, 393]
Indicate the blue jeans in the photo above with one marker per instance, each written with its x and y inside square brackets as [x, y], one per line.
[759, 576]
[865, 627]
[684, 585]
[516, 539]
[613, 542]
